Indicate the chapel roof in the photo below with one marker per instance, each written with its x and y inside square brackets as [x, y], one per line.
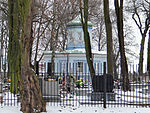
[77, 22]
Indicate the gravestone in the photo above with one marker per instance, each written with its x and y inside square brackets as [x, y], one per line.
[98, 88]
[50, 90]
[98, 84]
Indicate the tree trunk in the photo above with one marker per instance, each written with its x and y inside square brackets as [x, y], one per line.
[108, 26]
[115, 65]
[52, 48]
[20, 45]
[140, 69]
[53, 40]
[64, 39]
[31, 97]
[2, 43]
[14, 53]
[37, 42]
[87, 37]
[124, 67]
[148, 56]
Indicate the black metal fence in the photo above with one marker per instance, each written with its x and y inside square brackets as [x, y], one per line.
[67, 90]
[71, 89]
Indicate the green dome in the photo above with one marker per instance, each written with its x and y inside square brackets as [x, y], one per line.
[77, 22]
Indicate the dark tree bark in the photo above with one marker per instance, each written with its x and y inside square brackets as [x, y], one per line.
[53, 41]
[148, 56]
[84, 20]
[115, 65]
[14, 56]
[20, 45]
[31, 100]
[108, 26]
[124, 67]
[141, 59]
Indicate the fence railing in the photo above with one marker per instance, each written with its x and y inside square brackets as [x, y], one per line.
[69, 89]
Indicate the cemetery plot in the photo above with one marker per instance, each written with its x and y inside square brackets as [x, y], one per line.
[56, 93]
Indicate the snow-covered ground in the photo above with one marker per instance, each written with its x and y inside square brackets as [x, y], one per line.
[73, 105]
[81, 109]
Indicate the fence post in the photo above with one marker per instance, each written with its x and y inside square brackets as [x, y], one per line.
[104, 100]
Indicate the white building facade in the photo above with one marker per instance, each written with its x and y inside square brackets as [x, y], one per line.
[73, 59]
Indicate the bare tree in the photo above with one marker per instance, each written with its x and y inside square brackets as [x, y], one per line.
[96, 16]
[108, 26]
[140, 15]
[84, 20]
[50, 28]
[124, 67]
